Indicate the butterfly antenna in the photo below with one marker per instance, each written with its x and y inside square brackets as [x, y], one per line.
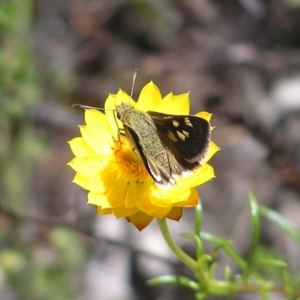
[133, 82]
[86, 107]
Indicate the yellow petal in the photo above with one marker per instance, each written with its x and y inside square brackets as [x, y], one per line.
[146, 206]
[140, 220]
[95, 184]
[96, 161]
[95, 118]
[110, 112]
[175, 105]
[81, 166]
[159, 194]
[135, 193]
[99, 143]
[98, 200]
[163, 198]
[162, 212]
[110, 103]
[175, 214]
[78, 147]
[150, 98]
[204, 115]
[193, 199]
[213, 148]
[105, 211]
[180, 192]
[116, 186]
[122, 97]
[121, 211]
[80, 179]
[202, 175]
[97, 122]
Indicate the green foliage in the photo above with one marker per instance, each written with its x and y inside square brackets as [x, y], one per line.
[30, 270]
[293, 3]
[18, 79]
[263, 272]
[18, 91]
[56, 280]
[43, 272]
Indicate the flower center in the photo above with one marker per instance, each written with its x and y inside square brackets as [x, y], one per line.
[129, 161]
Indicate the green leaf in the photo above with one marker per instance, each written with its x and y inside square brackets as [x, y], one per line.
[225, 246]
[255, 222]
[281, 222]
[173, 279]
[271, 263]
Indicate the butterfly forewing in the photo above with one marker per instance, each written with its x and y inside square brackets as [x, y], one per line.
[187, 137]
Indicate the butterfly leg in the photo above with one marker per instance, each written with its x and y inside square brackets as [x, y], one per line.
[120, 133]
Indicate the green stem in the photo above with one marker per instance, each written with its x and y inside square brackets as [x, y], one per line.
[198, 219]
[181, 255]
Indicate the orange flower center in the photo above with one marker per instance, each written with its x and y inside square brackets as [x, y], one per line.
[129, 161]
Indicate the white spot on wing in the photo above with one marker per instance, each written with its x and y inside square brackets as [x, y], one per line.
[172, 137]
[188, 122]
[175, 123]
[185, 133]
[180, 135]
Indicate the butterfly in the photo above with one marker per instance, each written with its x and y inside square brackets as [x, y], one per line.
[170, 146]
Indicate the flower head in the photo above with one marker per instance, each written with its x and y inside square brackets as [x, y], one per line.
[108, 167]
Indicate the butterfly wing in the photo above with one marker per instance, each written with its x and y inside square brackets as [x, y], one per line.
[187, 137]
[160, 174]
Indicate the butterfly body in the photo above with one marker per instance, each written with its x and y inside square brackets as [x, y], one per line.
[170, 146]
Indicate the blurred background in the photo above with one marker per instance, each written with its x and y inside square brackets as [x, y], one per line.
[239, 59]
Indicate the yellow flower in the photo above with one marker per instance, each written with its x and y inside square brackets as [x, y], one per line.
[114, 174]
